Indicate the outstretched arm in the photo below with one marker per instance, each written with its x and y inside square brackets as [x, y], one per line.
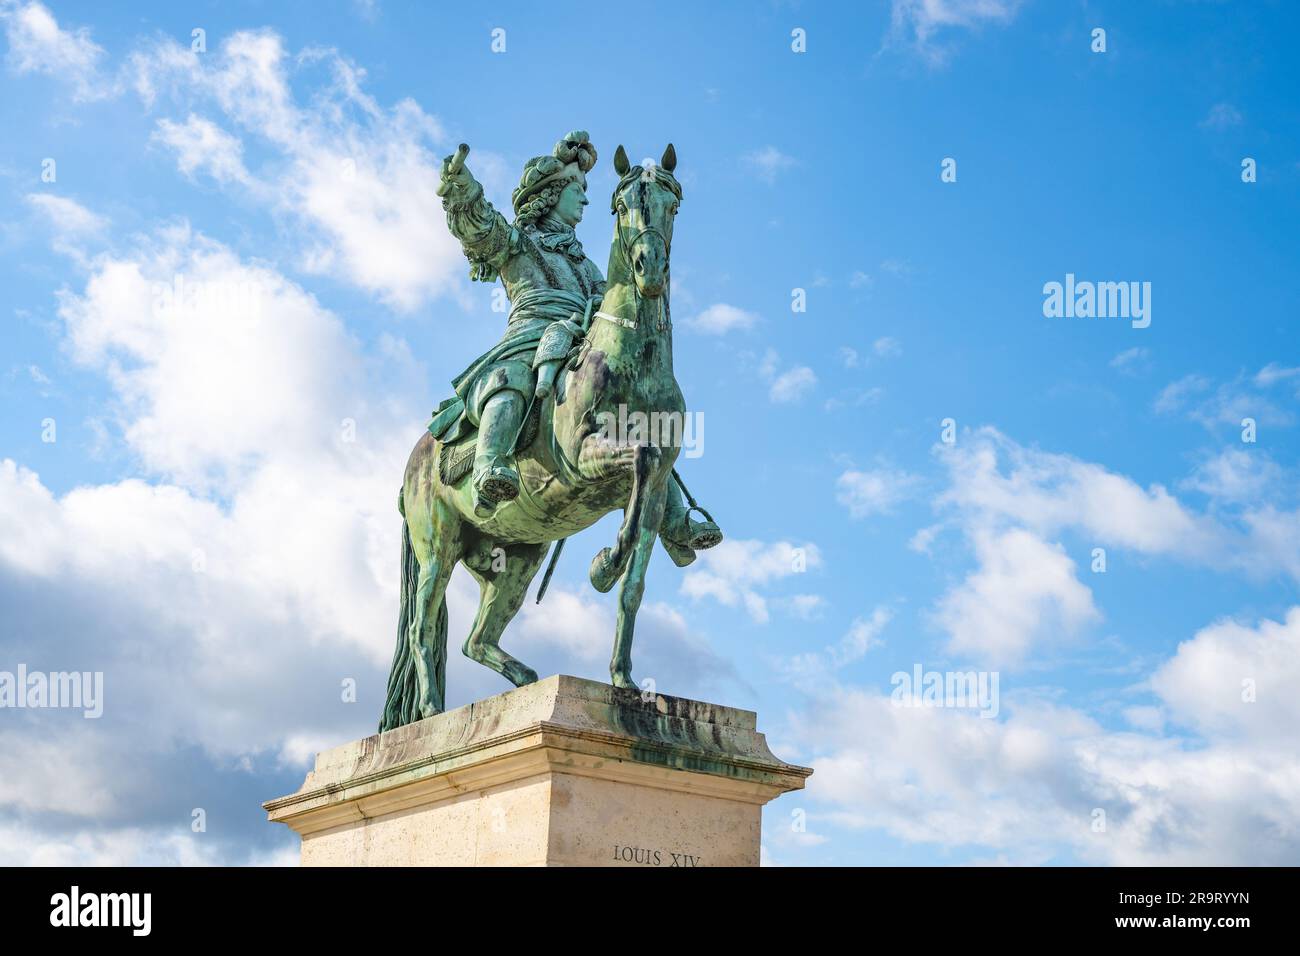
[482, 231]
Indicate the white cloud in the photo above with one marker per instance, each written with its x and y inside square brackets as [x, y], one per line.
[1226, 404]
[854, 397]
[1174, 395]
[863, 635]
[73, 227]
[212, 384]
[720, 318]
[1029, 785]
[1012, 504]
[802, 607]
[768, 162]
[1131, 361]
[812, 671]
[1024, 592]
[37, 44]
[792, 384]
[1235, 682]
[806, 607]
[1272, 542]
[1150, 719]
[573, 633]
[1272, 373]
[887, 347]
[873, 491]
[69, 219]
[1238, 476]
[301, 529]
[734, 572]
[1048, 493]
[202, 146]
[360, 177]
[923, 21]
[128, 846]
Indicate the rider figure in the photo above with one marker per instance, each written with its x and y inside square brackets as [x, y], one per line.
[549, 280]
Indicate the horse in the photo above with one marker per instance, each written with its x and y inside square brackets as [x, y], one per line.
[572, 472]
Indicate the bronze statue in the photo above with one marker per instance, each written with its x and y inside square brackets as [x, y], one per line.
[525, 453]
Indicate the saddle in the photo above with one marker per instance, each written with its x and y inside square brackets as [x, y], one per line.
[457, 445]
[456, 458]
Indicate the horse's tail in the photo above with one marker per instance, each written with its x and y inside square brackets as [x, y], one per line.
[403, 703]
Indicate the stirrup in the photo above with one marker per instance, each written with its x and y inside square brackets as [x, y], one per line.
[700, 535]
[705, 534]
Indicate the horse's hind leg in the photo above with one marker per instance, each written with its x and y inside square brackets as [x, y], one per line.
[502, 594]
[435, 539]
[633, 588]
[427, 645]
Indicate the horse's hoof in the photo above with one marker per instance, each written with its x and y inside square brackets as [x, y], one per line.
[681, 554]
[521, 675]
[603, 574]
[624, 681]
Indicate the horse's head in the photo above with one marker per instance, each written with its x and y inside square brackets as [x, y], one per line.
[645, 202]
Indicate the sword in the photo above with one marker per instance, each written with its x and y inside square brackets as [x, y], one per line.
[550, 568]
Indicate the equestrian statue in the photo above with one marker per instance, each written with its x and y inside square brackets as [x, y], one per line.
[523, 455]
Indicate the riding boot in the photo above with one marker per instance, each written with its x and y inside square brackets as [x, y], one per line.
[680, 534]
[494, 480]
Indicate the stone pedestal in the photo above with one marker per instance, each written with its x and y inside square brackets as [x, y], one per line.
[563, 772]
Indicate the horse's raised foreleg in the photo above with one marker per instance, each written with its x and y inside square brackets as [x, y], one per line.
[610, 562]
[633, 589]
[501, 596]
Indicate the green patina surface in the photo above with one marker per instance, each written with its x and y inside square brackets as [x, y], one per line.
[579, 351]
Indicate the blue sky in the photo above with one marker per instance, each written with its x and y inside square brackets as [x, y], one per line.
[213, 525]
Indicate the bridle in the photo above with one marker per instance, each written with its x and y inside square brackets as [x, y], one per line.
[625, 245]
